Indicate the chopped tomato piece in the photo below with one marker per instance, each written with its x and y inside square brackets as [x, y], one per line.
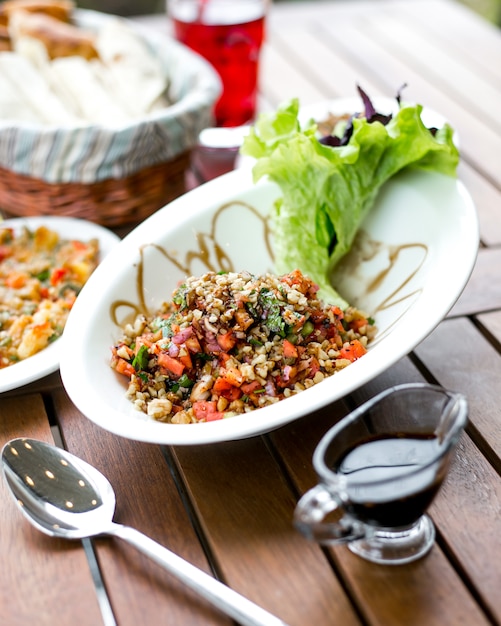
[202, 407]
[301, 283]
[185, 358]
[353, 350]
[233, 393]
[224, 358]
[227, 341]
[174, 366]
[79, 245]
[221, 385]
[227, 389]
[16, 280]
[358, 323]
[338, 312]
[217, 415]
[243, 318]
[206, 410]
[251, 387]
[193, 344]
[233, 376]
[290, 350]
[124, 367]
[57, 275]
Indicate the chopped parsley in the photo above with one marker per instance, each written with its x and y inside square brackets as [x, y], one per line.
[140, 361]
[179, 297]
[164, 324]
[271, 309]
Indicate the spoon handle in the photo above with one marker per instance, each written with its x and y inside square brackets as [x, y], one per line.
[230, 602]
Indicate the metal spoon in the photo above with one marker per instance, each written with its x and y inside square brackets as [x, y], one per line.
[64, 496]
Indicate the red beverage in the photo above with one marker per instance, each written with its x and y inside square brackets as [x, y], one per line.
[229, 34]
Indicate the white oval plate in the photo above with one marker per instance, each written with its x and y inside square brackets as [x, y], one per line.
[422, 225]
[47, 361]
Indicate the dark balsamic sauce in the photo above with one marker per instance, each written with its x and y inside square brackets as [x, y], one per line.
[390, 483]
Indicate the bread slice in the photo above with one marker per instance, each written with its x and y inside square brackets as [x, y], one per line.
[60, 39]
[58, 9]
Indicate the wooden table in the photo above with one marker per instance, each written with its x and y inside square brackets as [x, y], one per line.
[228, 508]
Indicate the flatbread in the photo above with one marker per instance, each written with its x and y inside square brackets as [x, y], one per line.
[58, 9]
[138, 80]
[118, 79]
[60, 39]
[13, 105]
[26, 95]
[76, 79]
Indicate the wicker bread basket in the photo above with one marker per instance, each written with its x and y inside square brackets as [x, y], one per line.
[113, 177]
[112, 202]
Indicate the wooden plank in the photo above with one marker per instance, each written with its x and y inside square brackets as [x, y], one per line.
[449, 23]
[381, 60]
[414, 594]
[311, 13]
[467, 515]
[246, 508]
[483, 291]
[491, 322]
[487, 199]
[333, 74]
[43, 385]
[385, 595]
[43, 580]
[280, 80]
[467, 34]
[473, 366]
[140, 591]
[433, 59]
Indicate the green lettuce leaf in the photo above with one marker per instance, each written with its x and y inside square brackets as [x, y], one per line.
[328, 191]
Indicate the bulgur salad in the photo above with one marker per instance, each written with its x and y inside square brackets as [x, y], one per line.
[229, 343]
[41, 274]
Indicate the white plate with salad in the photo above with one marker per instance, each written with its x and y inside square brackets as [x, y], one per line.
[408, 229]
[68, 229]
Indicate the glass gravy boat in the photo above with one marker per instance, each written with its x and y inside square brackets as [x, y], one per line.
[379, 469]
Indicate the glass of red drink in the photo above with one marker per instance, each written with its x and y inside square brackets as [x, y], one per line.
[229, 34]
